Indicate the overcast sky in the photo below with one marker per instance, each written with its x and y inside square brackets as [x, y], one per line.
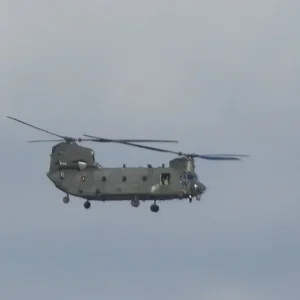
[219, 76]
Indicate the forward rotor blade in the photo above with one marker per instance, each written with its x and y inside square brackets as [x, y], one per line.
[204, 156]
[35, 127]
[104, 140]
[44, 141]
[101, 140]
[77, 140]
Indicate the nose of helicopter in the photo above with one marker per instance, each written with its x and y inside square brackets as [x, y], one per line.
[200, 187]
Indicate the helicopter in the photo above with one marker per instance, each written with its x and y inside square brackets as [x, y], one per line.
[74, 171]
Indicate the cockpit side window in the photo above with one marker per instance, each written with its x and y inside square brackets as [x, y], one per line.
[183, 177]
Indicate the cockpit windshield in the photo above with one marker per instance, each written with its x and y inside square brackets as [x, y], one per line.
[189, 176]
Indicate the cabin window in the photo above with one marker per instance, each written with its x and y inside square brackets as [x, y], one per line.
[165, 178]
[144, 178]
[124, 178]
[62, 175]
[103, 178]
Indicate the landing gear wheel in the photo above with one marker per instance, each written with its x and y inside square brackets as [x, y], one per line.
[135, 203]
[154, 208]
[87, 204]
[66, 199]
[190, 198]
[198, 197]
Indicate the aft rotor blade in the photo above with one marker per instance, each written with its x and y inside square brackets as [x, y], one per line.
[35, 127]
[104, 140]
[220, 156]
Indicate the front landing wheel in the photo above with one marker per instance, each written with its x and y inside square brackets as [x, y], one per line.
[66, 199]
[135, 202]
[154, 208]
[87, 204]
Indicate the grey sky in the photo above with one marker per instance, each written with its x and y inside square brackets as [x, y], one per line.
[219, 76]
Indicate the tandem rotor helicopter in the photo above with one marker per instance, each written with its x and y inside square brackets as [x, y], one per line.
[74, 171]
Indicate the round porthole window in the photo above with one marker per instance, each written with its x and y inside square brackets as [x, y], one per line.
[103, 178]
[144, 178]
[124, 178]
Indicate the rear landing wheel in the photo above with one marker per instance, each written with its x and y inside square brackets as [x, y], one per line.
[87, 204]
[190, 198]
[66, 199]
